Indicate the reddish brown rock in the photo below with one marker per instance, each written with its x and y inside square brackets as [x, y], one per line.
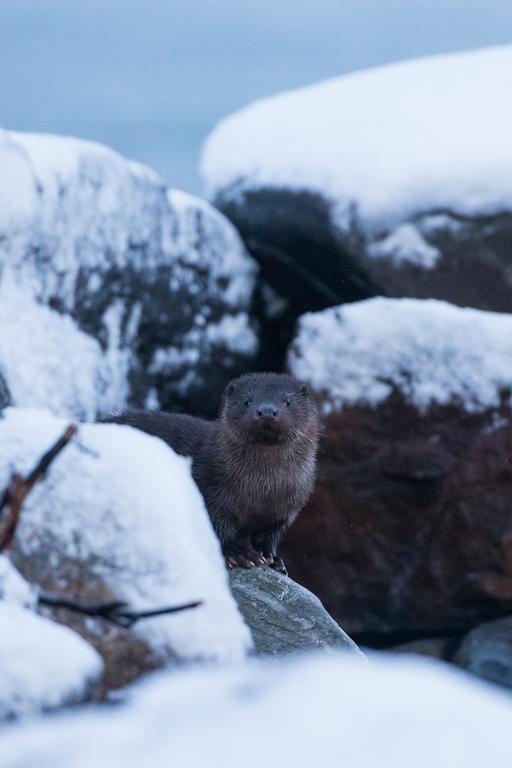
[409, 530]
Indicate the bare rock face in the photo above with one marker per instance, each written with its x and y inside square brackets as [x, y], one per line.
[119, 518]
[283, 616]
[408, 531]
[143, 292]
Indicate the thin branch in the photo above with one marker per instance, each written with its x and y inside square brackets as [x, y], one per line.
[19, 487]
[115, 612]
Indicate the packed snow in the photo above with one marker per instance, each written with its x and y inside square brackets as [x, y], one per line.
[431, 133]
[430, 351]
[43, 665]
[317, 710]
[119, 510]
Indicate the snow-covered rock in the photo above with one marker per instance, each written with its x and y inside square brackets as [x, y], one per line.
[327, 710]
[395, 180]
[406, 532]
[112, 289]
[119, 518]
[431, 352]
[43, 665]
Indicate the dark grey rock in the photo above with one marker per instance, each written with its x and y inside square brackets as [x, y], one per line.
[313, 263]
[283, 616]
[487, 651]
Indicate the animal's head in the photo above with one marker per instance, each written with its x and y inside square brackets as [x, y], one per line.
[270, 409]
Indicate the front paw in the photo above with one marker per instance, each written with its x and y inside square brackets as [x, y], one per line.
[243, 556]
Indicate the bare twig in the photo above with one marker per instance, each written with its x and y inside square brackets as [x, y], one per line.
[115, 612]
[19, 487]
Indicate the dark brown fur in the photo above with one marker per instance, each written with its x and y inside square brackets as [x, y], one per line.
[255, 464]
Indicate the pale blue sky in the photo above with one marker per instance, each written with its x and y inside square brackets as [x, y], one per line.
[151, 77]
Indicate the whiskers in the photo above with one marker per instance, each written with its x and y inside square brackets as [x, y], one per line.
[298, 434]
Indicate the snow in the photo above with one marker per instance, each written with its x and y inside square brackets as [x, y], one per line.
[13, 587]
[204, 237]
[43, 665]
[382, 144]
[317, 710]
[430, 351]
[124, 514]
[405, 245]
[46, 361]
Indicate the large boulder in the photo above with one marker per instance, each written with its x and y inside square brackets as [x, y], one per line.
[408, 532]
[119, 518]
[43, 665]
[283, 616]
[328, 709]
[114, 290]
[395, 181]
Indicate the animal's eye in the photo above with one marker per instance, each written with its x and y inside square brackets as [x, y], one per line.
[287, 402]
[248, 402]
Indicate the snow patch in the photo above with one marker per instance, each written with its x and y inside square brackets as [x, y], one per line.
[405, 245]
[430, 351]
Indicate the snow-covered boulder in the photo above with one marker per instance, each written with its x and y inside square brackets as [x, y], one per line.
[113, 289]
[42, 664]
[406, 533]
[119, 518]
[394, 181]
[327, 710]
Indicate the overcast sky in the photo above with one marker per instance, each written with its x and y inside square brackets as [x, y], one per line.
[151, 77]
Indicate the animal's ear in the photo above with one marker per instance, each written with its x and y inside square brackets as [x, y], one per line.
[230, 389]
[304, 389]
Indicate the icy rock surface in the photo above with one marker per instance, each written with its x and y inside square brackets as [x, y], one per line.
[393, 181]
[283, 616]
[112, 289]
[429, 351]
[119, 518]
[320, 710]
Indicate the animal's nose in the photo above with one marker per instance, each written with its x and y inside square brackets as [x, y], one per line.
[267, 411]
